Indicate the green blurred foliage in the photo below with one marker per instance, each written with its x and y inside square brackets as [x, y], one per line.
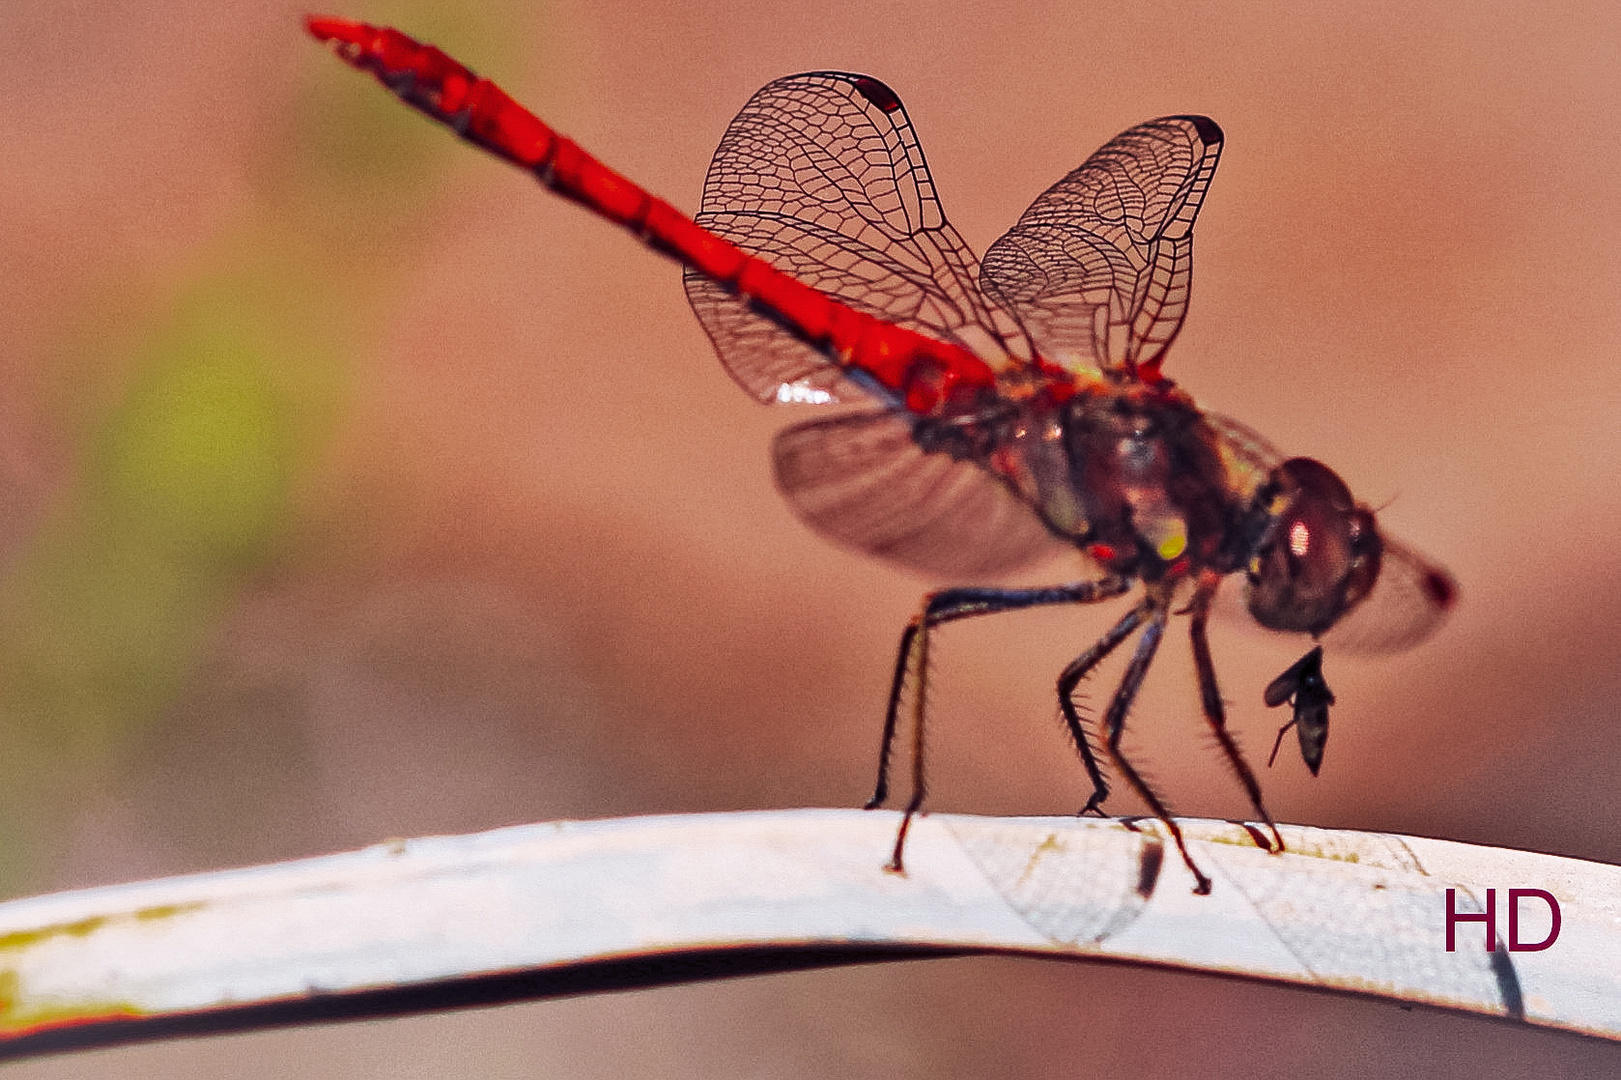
[225, 398]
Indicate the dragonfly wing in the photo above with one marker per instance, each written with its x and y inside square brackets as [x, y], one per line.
[1098, 269]
[1247, 455]
[1407, 603]
[821, 175]
[863, 481]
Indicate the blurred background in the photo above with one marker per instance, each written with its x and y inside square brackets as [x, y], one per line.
[356, 488]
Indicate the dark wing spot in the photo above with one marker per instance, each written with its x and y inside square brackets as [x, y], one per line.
[1441, 589]
[877, 93]
[1208, 129]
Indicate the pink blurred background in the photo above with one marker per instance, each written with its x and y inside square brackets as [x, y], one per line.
[356, 488]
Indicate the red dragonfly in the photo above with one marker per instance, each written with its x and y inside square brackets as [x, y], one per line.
[1013, 408]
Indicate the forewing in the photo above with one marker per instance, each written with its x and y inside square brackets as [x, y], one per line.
[1098, 269]
[1408, 603]
[821, 176]
[862, 481]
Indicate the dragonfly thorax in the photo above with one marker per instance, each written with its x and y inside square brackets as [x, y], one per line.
[1139, 485]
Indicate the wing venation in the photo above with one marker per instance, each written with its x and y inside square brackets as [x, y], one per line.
[862, 480]
[1099, 268]
[821, 175]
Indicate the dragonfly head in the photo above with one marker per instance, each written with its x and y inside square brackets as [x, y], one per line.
[1317, 552]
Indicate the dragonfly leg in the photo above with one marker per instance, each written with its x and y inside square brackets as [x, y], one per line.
[903, 664]
[1215, 712]
[1071, 677]
[949, 605]
[1114, 725]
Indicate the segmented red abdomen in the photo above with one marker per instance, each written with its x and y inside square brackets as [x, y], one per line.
[924, 374]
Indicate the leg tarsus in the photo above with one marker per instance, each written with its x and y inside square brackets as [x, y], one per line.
[903, 661]
[1215, 711]
[1070, 679]
[1157, 608]
[897, 862]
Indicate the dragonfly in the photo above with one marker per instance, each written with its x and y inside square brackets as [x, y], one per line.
[1000, 412]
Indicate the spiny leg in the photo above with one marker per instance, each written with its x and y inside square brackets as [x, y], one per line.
[1215, 712]
[949, 605]
[1114, 723]
[903, 664]
[1071, 677]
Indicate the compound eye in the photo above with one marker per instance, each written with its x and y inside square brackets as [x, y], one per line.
[1320, 552]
